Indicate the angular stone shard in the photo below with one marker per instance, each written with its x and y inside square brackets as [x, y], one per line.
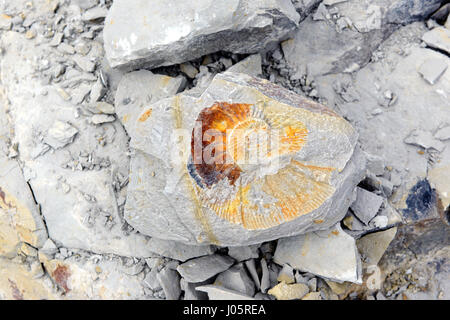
[303, 182]
[161, 33]
[137, 89]
[203, 268]
[237, 279]
[331, 254]
[438, 38]
[219, 293]
[283, 291]
[366, 205]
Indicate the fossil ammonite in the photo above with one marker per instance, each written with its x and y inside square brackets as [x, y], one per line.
[257, 162]
[254, 194]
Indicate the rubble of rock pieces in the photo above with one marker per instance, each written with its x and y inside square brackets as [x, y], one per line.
[82, 213]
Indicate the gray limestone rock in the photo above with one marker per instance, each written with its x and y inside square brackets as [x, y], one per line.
[251, 267]
[203, 268]
[438, 38]
[432, 69]
[178, 251]
[367, 205]
[331, 254]
[373, 245]
[250, 65]
[327, 50]
[176, 200]
[237, 279]
[424, 139]
[190, 292]
[170, 282]
[138, 89]
[164, 33]
[72, 185]
[425, 107]
[219, 293]
[60, 134]
[243, 253]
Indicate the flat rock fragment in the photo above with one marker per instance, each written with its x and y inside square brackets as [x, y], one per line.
[203, 268]
[438, 38]
[237, 279]
[250, 65]
[286, 274]
[367, 205]
[424, 139]
[138, 89]
[305, 183]
[373, 245]
[219, 293]
[170, 283]
[331, 254]
[283, 291]
[102, 118]
[60, 134]
[164, 33]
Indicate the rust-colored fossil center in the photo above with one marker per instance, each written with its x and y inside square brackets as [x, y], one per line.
[227, 135]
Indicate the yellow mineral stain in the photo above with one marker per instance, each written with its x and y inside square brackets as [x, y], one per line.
[145, 115]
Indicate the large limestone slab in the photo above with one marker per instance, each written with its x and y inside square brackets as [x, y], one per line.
[169, 192]
[74, 184]
[160, 33]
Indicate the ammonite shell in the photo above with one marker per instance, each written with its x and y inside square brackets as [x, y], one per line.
[246, 162]
[247, 196]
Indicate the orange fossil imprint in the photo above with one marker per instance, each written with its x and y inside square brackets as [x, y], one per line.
[246, 193]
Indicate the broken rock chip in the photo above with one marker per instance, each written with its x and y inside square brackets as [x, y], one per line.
[331, 254]
[373, 245]
[60, 135]
[304, 183]
[219, 293]
[438, 38]
[203, 268]
[366, 205]
[236, 278]
[283, 291]
[161, 33]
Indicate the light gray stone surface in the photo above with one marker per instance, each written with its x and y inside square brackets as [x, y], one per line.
[169, 200]
[220, 293]
[418, 106]
[136, 90]
[366, 205]
[331, 254]
[203, 268]
[243, 253]
[170, 282]
[438, 38]
[73, 197]
[328, 51]
[236, 278]
[161, 33]
[250, 65]
[373, 245]
[432, 69]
